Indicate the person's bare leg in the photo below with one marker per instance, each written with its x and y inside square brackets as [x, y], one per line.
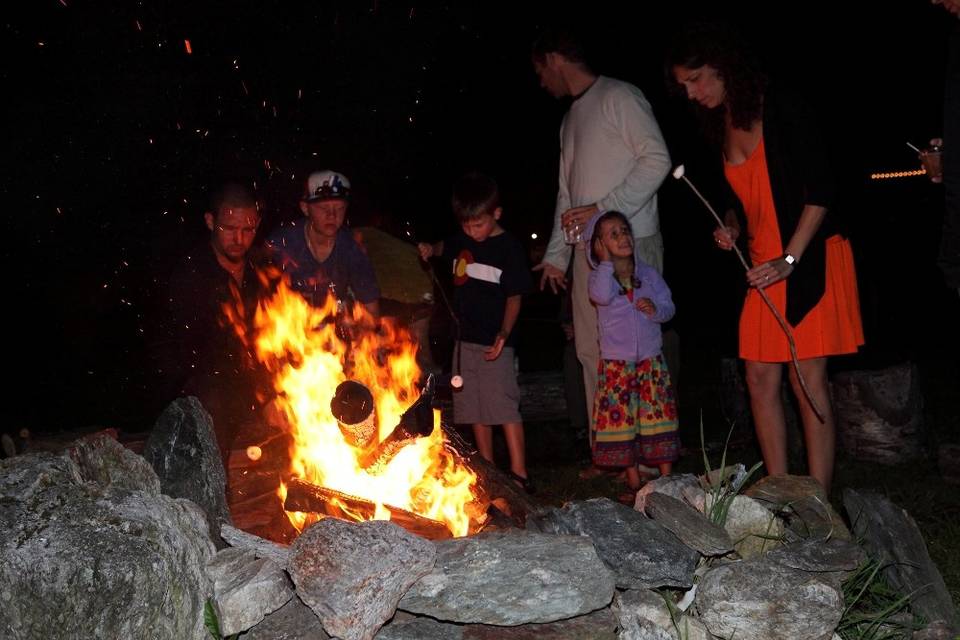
[763, 380]
[820, 437]
[665, 468]
[483, 434]
[513, 432]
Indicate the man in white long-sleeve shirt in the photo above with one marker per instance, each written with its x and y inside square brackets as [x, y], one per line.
[612, 157]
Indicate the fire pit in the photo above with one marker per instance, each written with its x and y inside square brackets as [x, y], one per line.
[366, 442]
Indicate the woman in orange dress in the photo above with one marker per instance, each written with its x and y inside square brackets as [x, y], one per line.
[777, 168]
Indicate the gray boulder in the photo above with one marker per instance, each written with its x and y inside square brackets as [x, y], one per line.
[182, 448]
[89, 548]
[804, 503]
[753, 529]
[599, 625]
[245, 589]
[352, 575]
[512, 578]
[641, 552]
[672, 485]
[261, 548]
[762, 600]
[689, 525]
[292, 621]
[819, 555]
[890, 535]
[644, 615]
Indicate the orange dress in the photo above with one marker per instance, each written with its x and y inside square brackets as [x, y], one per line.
[833, 326]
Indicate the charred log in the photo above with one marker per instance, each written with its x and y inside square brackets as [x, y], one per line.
[416, 422]
[311, 498]
[353, 407]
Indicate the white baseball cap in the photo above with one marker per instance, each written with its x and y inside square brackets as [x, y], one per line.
[326, 185]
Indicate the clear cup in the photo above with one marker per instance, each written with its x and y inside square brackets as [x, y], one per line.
[931, 160]
[573, 233]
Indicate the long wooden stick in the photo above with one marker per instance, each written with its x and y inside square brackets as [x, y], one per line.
[766, 298]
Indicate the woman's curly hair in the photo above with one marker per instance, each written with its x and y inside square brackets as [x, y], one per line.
[720, 46]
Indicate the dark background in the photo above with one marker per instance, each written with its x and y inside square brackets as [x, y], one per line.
[114, 132]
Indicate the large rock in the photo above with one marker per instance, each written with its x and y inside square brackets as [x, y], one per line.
[292, 621]
[753, 529]
[890, 535]
[245, 589]
[804, 503]
[688, 524]
[819, 556]
[512, 578]
[938, 630]
[352, 575]
[641, 553]
[105, 462]
[599, 625]
[762, 600]
[672, 485]
[89, 548]
[182, 449]
[261, 548]
[644, 615]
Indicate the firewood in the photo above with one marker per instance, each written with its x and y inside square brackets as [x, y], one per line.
[310, 498]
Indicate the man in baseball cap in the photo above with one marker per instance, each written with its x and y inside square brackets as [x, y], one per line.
[319, 254]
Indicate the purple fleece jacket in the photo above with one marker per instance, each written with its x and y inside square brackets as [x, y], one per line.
[626, 333]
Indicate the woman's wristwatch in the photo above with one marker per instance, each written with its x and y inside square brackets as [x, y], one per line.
[789, 259]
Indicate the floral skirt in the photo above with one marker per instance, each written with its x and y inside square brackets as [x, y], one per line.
[635, 414]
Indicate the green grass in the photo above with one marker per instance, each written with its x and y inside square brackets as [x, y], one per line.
[872, 609]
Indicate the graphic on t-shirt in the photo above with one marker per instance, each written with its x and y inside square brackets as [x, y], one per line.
[465, 268]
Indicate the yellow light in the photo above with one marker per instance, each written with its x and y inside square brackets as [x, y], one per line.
[898, 174]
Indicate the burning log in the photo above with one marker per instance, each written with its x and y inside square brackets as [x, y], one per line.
[311, 498]
[416, 422]
[352, 405]
[497, 488]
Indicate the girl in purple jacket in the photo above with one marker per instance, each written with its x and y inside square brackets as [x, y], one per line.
[635, 414]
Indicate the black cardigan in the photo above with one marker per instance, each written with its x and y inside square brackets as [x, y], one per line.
[799, 169]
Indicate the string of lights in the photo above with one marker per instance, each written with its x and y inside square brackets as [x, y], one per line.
[898, 174]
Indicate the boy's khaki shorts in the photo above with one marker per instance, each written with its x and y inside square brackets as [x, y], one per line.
[490, 394]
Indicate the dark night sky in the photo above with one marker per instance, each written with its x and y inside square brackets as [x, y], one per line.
[115, 131]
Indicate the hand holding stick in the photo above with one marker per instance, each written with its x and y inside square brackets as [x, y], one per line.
[678, 174]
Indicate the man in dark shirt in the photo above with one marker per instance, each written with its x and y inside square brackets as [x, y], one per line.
[203, 355]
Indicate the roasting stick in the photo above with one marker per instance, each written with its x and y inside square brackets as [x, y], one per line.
[456, 381]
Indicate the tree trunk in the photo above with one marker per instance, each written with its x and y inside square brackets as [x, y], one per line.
[880, 414]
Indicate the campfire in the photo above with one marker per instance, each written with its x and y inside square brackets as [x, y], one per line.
[366, 443]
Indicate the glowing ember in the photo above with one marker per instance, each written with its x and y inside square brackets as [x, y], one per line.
[301, 347]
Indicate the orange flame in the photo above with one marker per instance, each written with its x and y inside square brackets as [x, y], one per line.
[299, 345]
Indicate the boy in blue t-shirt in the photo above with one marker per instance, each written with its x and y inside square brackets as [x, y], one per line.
[318, 254]
[490, 276]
